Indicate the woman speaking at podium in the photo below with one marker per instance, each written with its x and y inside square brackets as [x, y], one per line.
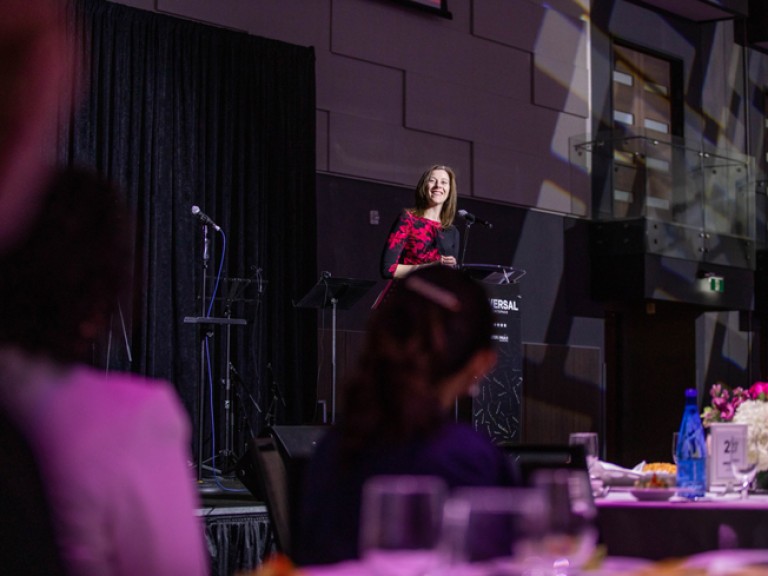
[423, 235]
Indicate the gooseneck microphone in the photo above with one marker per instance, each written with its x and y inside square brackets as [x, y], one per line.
[204, 218]
[469, 217]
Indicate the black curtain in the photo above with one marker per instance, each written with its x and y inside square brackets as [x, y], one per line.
[181, 114]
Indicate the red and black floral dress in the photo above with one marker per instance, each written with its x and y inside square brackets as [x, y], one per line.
[416, 240]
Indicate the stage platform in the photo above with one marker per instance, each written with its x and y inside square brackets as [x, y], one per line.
[236, 526]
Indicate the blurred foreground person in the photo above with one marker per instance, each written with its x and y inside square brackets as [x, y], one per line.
[35, 69]
[427, 344]
[27, 541]
[36, 72]
[112, 449]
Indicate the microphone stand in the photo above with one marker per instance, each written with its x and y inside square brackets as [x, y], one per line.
[276, 399]
[242, 389]
[465, 243]
[126, 340]
[203, 343]
[467, 227]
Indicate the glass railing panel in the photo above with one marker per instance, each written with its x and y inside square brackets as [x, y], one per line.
[699, 201]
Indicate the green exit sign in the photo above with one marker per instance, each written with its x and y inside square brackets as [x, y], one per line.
[717, 284]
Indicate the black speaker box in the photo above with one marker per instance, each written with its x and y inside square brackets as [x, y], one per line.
[296, 445]
[247, 472]
[297, 442]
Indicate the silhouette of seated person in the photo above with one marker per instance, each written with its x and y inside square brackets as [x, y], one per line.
[112, 449]
[27, 543]
[35, 70]
[426, 344]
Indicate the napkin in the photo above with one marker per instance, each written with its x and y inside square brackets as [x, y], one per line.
[614, 475]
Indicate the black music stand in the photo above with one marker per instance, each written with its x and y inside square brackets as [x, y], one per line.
[207, 324]
[337, 293]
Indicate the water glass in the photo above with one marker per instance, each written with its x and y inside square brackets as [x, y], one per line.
[571, 532]
[495, 525]
[589, 441]
[745, 471]
[675, 436]
[400, 524]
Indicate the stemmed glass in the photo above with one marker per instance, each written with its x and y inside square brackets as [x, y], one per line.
[572, 533]
[675, 436]
[745, 471]
[400, 524]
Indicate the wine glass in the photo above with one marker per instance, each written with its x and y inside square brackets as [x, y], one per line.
[675, 436]
[744, 471]
[400, 524]
[572, 532]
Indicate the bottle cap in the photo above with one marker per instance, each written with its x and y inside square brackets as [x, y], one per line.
[690, 393]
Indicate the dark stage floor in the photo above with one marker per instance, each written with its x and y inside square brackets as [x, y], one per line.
[225, 491]
[236, 526]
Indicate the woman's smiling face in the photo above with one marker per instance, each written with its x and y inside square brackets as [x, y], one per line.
[439, 186]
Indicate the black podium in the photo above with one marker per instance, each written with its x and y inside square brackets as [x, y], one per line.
[497, 408]
[336, 293]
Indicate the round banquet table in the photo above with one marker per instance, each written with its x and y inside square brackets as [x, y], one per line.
[610, 567]
[677, 528]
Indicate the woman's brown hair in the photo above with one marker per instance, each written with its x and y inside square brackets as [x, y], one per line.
[425, 332]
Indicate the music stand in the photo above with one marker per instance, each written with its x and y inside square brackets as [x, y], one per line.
[336, 293]
[207, 324]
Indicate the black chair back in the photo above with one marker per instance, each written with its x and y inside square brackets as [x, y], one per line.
[531, 457]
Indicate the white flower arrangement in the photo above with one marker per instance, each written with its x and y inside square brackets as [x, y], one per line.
[754, 413]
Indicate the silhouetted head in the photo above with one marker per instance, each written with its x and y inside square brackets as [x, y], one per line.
[425, 345]
[60, 282]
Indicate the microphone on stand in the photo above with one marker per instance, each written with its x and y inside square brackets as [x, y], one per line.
[469, 217]
[204, 218]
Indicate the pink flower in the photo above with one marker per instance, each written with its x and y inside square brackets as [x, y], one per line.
[720, 403]
[759, 391]
[725, 402]
[727, 412]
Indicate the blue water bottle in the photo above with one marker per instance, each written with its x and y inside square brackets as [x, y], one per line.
[691, 451]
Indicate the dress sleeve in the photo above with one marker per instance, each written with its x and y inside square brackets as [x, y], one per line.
[390, 256]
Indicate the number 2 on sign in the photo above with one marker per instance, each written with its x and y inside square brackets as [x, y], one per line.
[727, 444]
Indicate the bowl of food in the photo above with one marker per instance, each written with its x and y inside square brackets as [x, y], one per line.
[657, 475]
[652, 494]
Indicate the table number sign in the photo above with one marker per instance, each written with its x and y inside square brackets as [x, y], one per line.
[727, 443]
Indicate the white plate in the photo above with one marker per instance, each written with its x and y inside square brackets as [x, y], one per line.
[653, 494]
[613, 475]
[724, 560]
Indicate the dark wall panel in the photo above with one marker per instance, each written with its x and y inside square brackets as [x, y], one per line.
[547, 246]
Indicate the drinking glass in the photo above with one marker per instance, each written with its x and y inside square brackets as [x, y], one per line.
[571, 531]
[675, 436]
[400, 524]
[745, 471]
[497, 525]
[590, 443]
